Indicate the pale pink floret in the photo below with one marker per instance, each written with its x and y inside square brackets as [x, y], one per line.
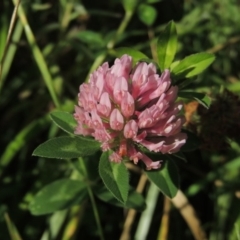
[148, 162]
[116, 120]
[122, 66]
[130, 129]
[162, 85]
[114, 157]
[119, 89]
[104, 106]
[140, 76]
[127, 105]
[123, 107]
[101, 135]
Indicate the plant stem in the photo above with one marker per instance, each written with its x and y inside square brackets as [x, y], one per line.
[153, 44]
[96, 63]
[92, 199]
[188, 213]
[14, 234]
[147, 215]
[121, 29]
[9, 35]
[112, 42]
[126, 233]
[10, 53]
[42, 65]
[21, 139]
[164, 227]
[66, 16]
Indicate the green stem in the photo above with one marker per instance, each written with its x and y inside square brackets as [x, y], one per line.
[21, 139]
[42, 65]
[92, 199]
[112, 42]
[96, 63]
[8, 59]
[13, 232]
[121, 29]
[66, 17]
[9, 36]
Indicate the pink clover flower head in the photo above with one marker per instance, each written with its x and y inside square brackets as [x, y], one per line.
[124, 107]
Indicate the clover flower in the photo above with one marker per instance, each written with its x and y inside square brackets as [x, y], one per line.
[125, 108]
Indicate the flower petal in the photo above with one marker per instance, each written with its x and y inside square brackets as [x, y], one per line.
[130, 129]
[127, 105]
[116, 120]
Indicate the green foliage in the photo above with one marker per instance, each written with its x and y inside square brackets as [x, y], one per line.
[136, 55]
[192, 65]
[115, 177]
[21, 138]
[147, 14]
[134, 199]
[91, 38]
[224, 170]
[58, 195]
[53, 46]
[3, 33]
[200, 97]
[67, 147]
[167, 46]
[166, 179]
[64, 120]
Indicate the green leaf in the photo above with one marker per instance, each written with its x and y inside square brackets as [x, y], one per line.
[135, 54]
[193, 65]
[234, 86]
[183, 83]
[90, 166]
[167, 46]
[192, 143]
[115, 177]
[64, 120]
[67, 147]
[91, 38]
[200, 97]
[147, 14]
[135, 200]
[58, 195]
[166, 179]
[174, 64]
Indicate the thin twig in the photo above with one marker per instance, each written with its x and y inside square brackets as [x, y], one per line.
[38, 55]
[164, 227]
[110, 45]
[93, 202]
[188, 213]
[153, 44]
[74, 220]
[146, 217]
[9, 36]
[126, 233]
[133, 168]
[221, 46]
[14, 234]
